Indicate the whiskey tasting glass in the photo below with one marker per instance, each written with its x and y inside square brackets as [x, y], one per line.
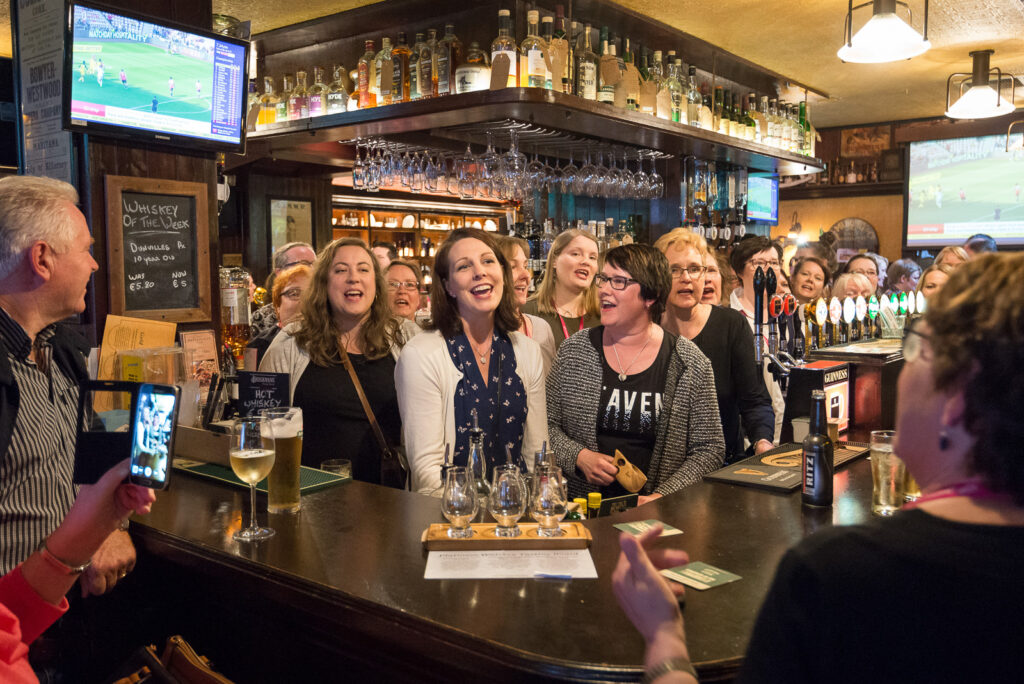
[508, 500]
[459, 502]
[548, 503]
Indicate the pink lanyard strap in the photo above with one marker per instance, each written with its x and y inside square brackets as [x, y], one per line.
[565, 331]
[972, 489]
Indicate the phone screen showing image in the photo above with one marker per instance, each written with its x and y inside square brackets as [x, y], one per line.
[153, 435]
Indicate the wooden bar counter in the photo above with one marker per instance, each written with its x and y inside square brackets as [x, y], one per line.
[338, 593]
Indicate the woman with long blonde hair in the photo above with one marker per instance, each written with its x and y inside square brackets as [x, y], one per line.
[345, 315]
[567, 298]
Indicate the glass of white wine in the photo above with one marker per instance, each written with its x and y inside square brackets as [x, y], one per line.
[459, 502]
[252, 458]
[508, 500]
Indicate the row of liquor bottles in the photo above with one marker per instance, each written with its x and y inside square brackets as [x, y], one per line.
[540, 236]
[551, 56]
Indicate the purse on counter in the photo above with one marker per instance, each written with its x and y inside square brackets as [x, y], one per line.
[394, 470]
[629, 476]
[180, 664]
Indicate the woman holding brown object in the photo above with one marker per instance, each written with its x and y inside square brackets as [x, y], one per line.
[630, 386]
[567, 298]
[473, 360]
[955, 555]
[724, 338]
[515, 249]
[345, 319]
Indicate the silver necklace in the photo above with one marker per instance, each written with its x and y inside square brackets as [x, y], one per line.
[622, 372]
[481, 355]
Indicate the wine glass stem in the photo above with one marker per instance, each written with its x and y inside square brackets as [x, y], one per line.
[252, 507]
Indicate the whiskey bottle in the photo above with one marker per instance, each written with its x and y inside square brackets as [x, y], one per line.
[606, 92]
[384, 89]
[504, 44]
[400, 81]
[586, 69]
[449, 56]
[428, 74]
[474, 73]
[367, 78]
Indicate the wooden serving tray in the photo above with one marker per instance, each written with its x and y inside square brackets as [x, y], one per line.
[574, 536]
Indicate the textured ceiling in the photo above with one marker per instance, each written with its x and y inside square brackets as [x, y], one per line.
[798, 38]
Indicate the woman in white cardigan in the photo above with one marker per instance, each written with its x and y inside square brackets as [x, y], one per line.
[471, 359]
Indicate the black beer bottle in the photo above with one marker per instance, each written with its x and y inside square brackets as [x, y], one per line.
[817, 456]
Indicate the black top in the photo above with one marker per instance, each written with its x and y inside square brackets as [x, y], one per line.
[627, 416]
[728, 343]
[334, 423]
[912, 598]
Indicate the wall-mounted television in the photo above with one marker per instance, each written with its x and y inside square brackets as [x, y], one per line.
[962, 186]
[763, 199]
[130, 76]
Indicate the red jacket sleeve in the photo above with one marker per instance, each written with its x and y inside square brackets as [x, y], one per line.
[24, 615]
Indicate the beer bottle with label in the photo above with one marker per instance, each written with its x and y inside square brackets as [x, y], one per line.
[817, 456]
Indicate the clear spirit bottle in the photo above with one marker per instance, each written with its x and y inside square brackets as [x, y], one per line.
[287, 83]
[505, 44]
[318, 93]
[337, 91]
[693, 98]
[367, 76]
[547, 33]
[532, 50]
[675, 90]
[449, 56]
[586, 69]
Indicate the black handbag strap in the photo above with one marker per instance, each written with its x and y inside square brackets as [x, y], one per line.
[384, 448]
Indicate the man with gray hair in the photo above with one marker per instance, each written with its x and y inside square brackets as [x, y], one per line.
[286, 256]
[45, 267]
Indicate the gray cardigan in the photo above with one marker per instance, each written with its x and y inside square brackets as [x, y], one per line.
[689, 441]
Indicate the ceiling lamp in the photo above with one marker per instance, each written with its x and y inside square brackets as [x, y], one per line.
[885, 37]
[981, 100]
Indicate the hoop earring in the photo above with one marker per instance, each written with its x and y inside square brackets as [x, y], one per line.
[944, 441]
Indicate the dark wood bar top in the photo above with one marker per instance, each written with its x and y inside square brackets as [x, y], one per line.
[341, 585]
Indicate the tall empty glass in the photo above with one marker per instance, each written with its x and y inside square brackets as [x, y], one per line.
[508, 500]
[283, 487]
[886, 474]
[459, 502]
[252, 457]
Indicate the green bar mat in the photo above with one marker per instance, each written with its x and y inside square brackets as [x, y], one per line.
[310, 479]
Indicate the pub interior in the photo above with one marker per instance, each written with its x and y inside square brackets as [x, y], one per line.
[438, 229]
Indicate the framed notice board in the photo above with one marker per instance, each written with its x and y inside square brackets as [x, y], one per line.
[159, 249]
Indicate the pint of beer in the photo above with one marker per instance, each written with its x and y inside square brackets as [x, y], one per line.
[283, 484]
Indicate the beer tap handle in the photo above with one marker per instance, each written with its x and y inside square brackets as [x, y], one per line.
[759, 278]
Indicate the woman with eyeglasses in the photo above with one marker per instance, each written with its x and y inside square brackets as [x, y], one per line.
[345, 319]
[954, 555]
[627, 385]
[536, 328]
[724, 338]
[404, 282]
[867, 266]
[472, 359]
[286, 297]
[566, 297]
[751, 253]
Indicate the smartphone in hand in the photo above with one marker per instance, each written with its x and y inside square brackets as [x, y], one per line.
[152, 435]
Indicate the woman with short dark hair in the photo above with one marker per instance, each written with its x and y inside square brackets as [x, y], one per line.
[630, 386]
[472, 359]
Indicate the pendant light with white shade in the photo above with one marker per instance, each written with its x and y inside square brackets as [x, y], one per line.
[885, 37]
[981, 100]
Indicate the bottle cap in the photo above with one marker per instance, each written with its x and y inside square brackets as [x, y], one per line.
[532, 16]
[594, 500]
[504, 13]
[581, 502]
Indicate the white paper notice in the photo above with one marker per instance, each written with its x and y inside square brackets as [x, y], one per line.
[575, 563]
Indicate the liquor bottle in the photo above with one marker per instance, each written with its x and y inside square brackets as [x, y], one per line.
[756, 117]
[414, 67]
[717, 122]
[766, 121]
[477, 462]
[565, 80]
[268, 104]
[547, 33]
[318, 93]
[808, 130]
[367, 76]
[739, 122]
[774, 129]
[748, 119]
[693, 99]
[449, 56]
[656, 69]
[707, 119]
[606, 92]
[234, 311]
[729, 109]
[337, 92]
[287, 83]
[632, 93]
[428, 64]
[400, 81]
[817, 456]
[252, 100]
[677, 96]
[474, 73]
[383, 88]
[532, 51]
[586, 69]
[298, 98]
[506, 44]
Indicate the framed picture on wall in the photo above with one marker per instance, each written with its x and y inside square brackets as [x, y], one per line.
[890, 166]
[866, 141]
[291, 220]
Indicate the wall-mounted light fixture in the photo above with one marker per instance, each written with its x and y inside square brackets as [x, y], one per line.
[981, 100]
[885, 37]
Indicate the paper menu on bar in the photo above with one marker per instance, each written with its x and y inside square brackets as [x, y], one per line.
[560, 563]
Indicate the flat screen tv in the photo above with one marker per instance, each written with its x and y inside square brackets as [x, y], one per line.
[131, 76]
[763, 199]
[963, 186]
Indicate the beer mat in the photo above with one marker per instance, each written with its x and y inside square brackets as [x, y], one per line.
[638, 527]
[310, 479]
[778, 469]
[700, 575]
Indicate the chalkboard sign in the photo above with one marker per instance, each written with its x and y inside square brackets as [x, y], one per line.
[159, 248]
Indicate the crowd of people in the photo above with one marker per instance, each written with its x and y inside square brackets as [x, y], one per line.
[644, 352]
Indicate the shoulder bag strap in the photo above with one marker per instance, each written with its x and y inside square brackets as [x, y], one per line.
[362, 399]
